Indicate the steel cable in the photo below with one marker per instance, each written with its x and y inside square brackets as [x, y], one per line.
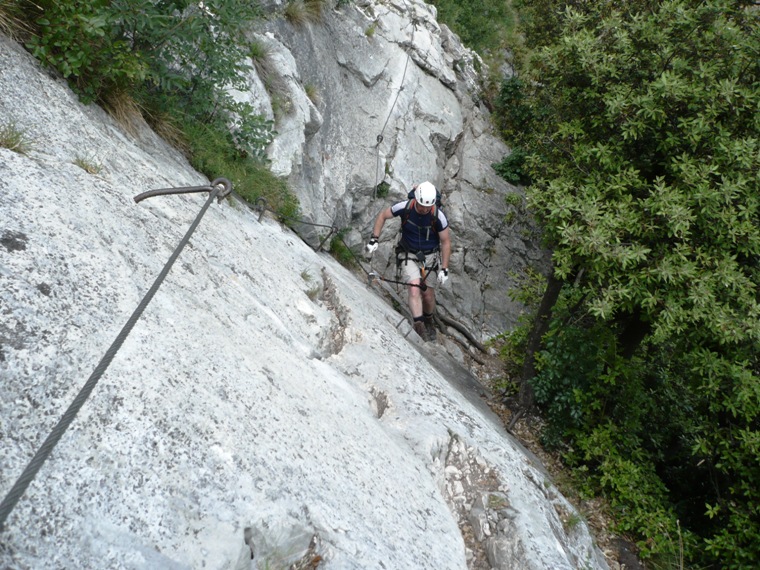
[393, 106]
[28, 475]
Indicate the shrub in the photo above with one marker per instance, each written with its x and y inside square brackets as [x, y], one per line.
[633, 488]
[486, 26]
[157, 55]
[83, 42]
[382, 189]
[512, 168]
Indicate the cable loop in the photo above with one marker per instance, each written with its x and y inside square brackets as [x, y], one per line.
[261, 207]
[225, 188]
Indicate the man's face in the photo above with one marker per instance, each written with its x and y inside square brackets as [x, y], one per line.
[422, 209]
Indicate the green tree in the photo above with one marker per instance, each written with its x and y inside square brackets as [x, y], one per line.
[173, 62]
[639, 124]
[483, 25]
[175, 56]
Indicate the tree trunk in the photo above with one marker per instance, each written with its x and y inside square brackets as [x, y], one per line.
[633, 334]
[540, 326]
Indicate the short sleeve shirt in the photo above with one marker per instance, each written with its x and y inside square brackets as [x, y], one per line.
[418, 233]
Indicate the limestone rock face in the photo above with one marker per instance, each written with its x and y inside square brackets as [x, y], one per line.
[266, 403]
[395, 102]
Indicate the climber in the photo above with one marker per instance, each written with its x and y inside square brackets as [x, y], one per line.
[423, 251]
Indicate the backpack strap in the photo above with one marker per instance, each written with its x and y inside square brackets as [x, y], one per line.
[408, 210]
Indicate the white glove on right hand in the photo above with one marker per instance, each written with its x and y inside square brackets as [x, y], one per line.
[372, 245]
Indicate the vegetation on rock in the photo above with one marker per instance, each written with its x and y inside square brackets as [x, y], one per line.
[172, 62]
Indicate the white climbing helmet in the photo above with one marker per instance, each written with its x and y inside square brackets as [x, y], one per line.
[425, 194]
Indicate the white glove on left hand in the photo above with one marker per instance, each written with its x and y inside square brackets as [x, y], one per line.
[443, 276]
[372, 245]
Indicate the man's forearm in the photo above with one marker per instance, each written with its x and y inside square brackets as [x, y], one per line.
[380, 222]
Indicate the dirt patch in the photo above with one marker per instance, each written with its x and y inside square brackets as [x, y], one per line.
[336, 337]
[619, 551]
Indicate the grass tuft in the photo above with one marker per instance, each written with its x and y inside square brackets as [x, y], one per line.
[340, 251]
[12, 21]
[15, 139]
[167, 127]
[90, 166]
[261, 56]
[312, 92]
[212, 154]
[302, 12]
[124, 109]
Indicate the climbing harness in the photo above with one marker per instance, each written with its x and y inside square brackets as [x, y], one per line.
[405, 255]
[219, 188]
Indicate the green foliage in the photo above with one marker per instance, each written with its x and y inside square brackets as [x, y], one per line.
[169, 54]
[728, 441]
[382, 189]
[341, 251]
[635, 491]
[483, 25]
[640, 127]
[177, 60]
[81, 40]
[489, 28]
[511, 168]
[570, 366]
[212, 154]
[511, 352]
